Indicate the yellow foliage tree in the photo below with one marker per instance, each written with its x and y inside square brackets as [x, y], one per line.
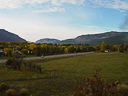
[32, 46]
[42, 45]
[116, 47]
[102, 47]
[66, 50]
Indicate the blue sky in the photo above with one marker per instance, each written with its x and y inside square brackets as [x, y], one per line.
[62, 19]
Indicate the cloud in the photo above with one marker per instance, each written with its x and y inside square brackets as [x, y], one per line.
[56, 2]
[6, 4]
[72, 1]
[54, 9]
[113, 4]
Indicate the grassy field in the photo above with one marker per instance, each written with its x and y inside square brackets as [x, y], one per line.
[58, 74]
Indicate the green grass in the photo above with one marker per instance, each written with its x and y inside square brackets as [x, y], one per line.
[59, 74]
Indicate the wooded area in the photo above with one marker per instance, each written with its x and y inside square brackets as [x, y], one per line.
[51, 49]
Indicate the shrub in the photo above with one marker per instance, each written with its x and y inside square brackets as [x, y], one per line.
[38, 67]
[34, 66]
[122, 89]
[25, 64]
[15, 62]
[121, 49]
[30, 64]
[11, 92]
[24, 92]
[4, 87]
[96, 86]
[9, 62]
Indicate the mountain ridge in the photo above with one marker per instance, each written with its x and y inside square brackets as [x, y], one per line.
[110, 38]
[6, 36]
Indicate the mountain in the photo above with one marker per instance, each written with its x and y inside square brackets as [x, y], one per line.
[110, 38]
[47, 40]
[10, 37]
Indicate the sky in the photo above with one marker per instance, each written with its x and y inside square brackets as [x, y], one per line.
[62, 19]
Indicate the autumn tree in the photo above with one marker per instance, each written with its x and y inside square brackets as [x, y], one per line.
[122, 48]
[71, 49]
[66, 50]
[102, 47]
[32, 46]
[114, 48]
[8, 52]
[61, 49]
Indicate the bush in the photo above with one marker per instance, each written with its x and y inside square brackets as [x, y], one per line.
[121, 49]
[11, 92]
[122, 89]
[24, 92]
[4, 87]
[9, 62]
[34, 66]
[29, 64]
[96, 86]
[38, 67]
[15, 62]
[25, 64]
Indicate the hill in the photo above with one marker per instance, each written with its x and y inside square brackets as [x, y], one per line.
[110, 38]
[47, 40]
[10, 37]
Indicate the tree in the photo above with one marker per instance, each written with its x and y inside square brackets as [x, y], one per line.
[15, 61]
[71, 49]
[124, 47]
[38, 51]
[32, 46]
[114, 48]
[97, 47]
[102, 47]
[24, 51]
[62, 49]
[66, 50]
[8, 51]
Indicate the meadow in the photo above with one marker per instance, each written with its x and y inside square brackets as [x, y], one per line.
[59, 74]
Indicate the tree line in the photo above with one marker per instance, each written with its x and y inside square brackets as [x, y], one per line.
[51, 49]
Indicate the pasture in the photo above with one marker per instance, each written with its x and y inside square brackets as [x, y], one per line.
[59, 74]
